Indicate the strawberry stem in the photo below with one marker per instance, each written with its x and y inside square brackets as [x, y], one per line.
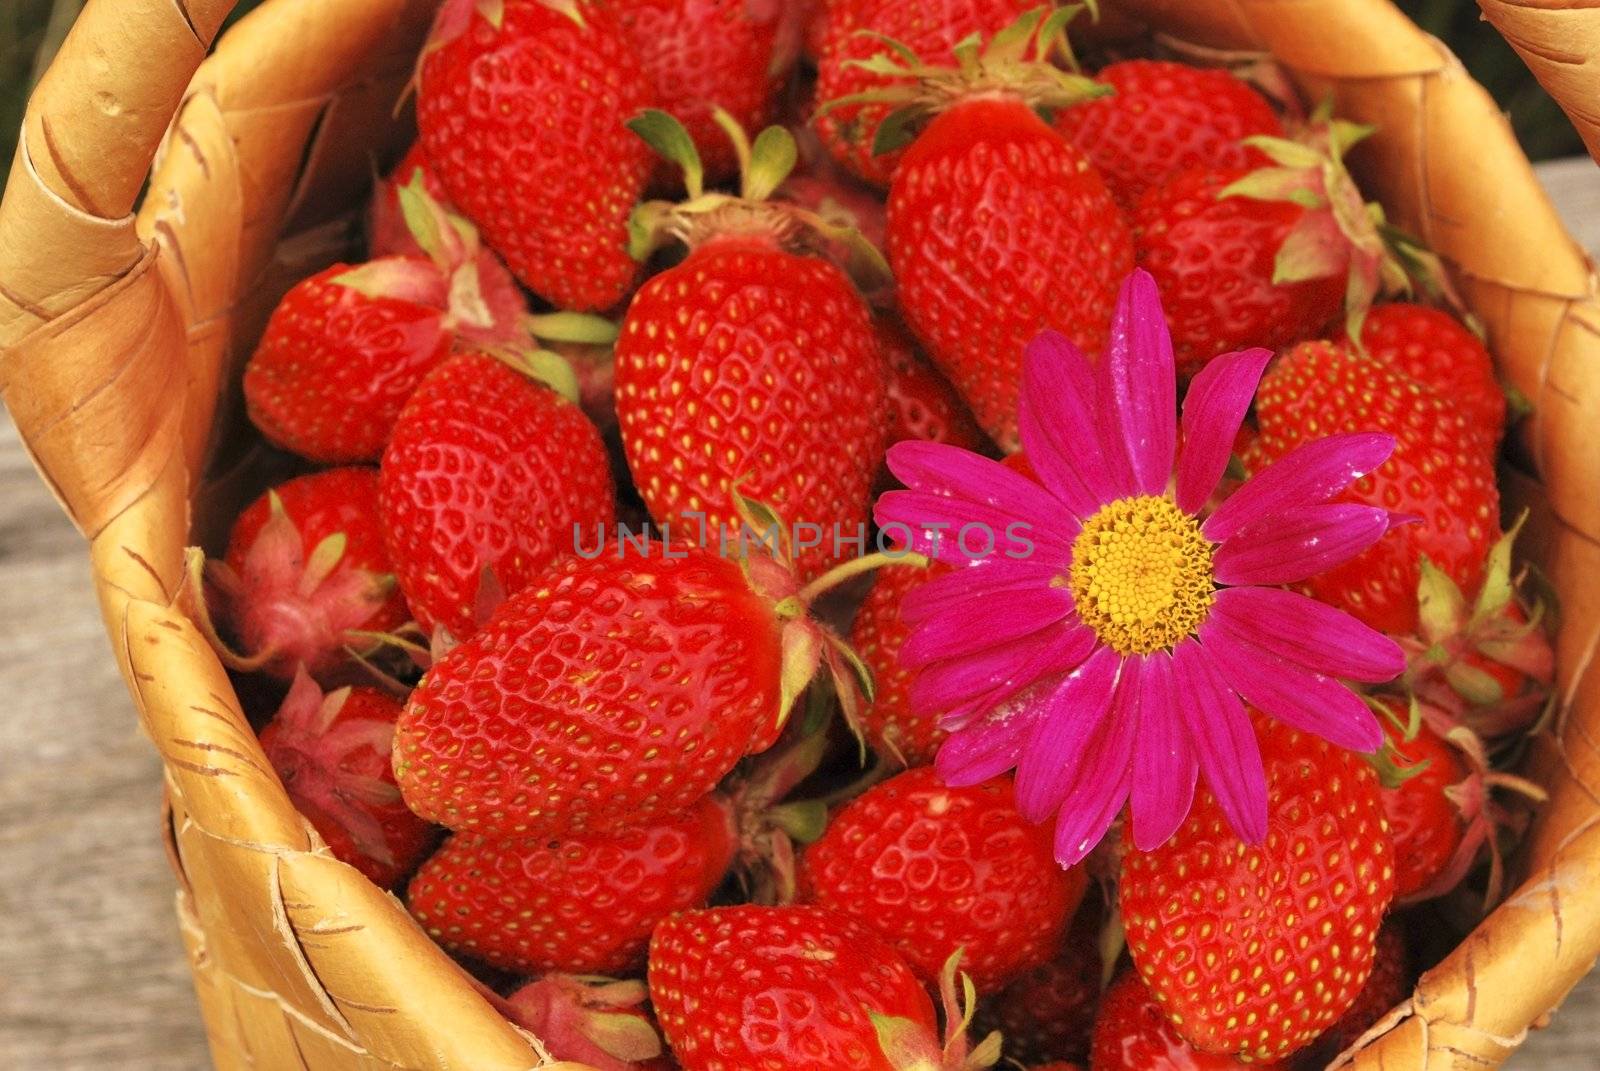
[855, 567]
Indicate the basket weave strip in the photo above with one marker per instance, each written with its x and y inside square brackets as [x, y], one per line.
[120, 336]
[1556, 39]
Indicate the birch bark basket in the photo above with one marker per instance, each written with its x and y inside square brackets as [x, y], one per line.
[161, 200]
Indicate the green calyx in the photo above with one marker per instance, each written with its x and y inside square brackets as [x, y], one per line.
[909, 1046]
[764, 165]
[1016, 62]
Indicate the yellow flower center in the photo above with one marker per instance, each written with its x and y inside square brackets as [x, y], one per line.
[1141, 574]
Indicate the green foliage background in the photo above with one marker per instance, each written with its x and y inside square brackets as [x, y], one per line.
[30, 31]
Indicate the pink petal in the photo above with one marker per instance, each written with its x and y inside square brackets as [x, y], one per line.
[1312, 472]
[957, 487]
[1213, 410]
[1164, 765]
[1136, 390]
[958, 532]
[1224, 740]
[995, 675]
[1300, 542]
[956, 635]
[1309, 633]
[1103, 779]
[1076, 714]
[1057, 424]
[974, 588]
[1309, 701]
[992, 744]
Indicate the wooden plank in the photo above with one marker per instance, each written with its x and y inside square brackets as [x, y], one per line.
[93, 974]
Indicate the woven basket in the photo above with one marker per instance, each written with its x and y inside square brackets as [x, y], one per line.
[121, 333]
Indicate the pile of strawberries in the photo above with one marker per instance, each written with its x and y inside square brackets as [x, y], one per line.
[634, 778]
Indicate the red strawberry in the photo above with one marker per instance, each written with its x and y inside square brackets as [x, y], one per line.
[922, 403]
[412, 200]
[937, 869]
[332, 754]
[597, 1022]
[1425, 824]
[877, 634]
[706, 54]
[1214, 259]
[1436, 473]
[1254, 950]
[581, 905]
[1389, 984]
[345, 348]
[614, 690]
[1434, 348]
[1049, 1012]
[1132, 1033]
[1166, 117]
[752, 366]
[779, 988]
[1057, 1065]
[1441, 803]
[854, 32]
[387, 232]
[306, 581]
[990, 175]
[487, 470]
[341, 354]
[521, 106]
[1488, 663]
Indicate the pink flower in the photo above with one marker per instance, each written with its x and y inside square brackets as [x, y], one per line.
[1106, 644]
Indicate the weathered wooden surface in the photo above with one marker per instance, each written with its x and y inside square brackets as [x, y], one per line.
[91, 972]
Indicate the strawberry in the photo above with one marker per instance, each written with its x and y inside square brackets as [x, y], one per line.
[387, 231]
[1441, 803]
[937, 869]
[1389, 984]
[1267, 257]
[1165, 117]
[706, 54]
[337, 361]
[889, 722]
[345, 348]
[854, 32]
[1254, 950]
[411, 214]
[1490, 663]
[1435, 349]
[1049, 1012]
[332, 754]
[1425, 824]
[613, 690]
[1132, 1033]
[487, 471]
[777, 988]
[552, 194]
[1436, 474]
[749, 365]
[989, 174]
[583, 904]
[306, 581]
[1214, 259]
[922, 403]
[597, 1022]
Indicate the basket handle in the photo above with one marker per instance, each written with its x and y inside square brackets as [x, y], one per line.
[1560, 43]
[89, 135]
